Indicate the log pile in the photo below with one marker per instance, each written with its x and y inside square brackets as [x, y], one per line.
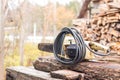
[107, 24]
[104, 26]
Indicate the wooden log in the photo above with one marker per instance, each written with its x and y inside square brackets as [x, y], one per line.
[114, 5]
[116, 48]
[112, 21]
[113, 18]
[27, 73]
[48, 47]
[89, 55]
[100, 70]
[67, 75]
[106, 13]
[114, 32]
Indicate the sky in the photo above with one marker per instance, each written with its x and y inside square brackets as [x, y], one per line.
[44, 2]
[15, 3]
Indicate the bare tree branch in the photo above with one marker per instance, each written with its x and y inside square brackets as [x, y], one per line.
[84, 8]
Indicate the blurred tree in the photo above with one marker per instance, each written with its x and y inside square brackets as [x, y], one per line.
[84, 8]
[75, 6]
[64, 17]
[2, 16]
[24, 26]
[48, 18]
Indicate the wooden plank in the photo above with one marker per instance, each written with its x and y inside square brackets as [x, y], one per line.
[27, 73]
[100, 70]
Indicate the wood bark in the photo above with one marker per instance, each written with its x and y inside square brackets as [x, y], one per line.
[100, 70]
[67, 75]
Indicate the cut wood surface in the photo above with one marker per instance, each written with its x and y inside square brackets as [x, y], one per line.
[100, 70]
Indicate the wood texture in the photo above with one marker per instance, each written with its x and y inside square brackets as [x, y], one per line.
[67, 75]
[104, 26]
[27, 73]
[100, 70]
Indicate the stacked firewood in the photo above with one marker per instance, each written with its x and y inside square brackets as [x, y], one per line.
[103, 27]
[107, 25]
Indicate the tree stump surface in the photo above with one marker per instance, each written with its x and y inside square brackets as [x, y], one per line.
[99, 70]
